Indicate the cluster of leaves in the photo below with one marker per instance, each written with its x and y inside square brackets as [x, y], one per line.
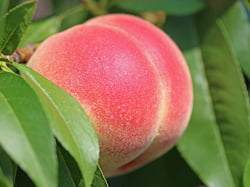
[45, 135]
[32, 111]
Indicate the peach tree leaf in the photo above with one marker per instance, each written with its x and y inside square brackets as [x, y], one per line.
[6, 167]
[246, 178]
[16, 23]
[99, 179]
[3, 9]
[236, 28]
[173, 7]
[66, 177]
[201, 145]
[70, 172]
[219, 128]
[40, 30]
[25, 134]
[69, 122]
[228, 91]
[4, 182]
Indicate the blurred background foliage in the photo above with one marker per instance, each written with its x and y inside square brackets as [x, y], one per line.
[214, 36]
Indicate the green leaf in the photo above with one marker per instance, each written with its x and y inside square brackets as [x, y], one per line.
[220, 125]
[71, 173]
[15, 3]
[4, 4]
[69, 122]
[4, 182]
[228, 92]
[6, 167]
[6, 170]
[201, 144]
[174, 7]
[227, 89]
[74, 15]
[65, 175]
[3, 9]
[70, 165]
[246, 179]
[236, 28]
[25, 134]
[99, 179]
[16, 23]
[40, 30]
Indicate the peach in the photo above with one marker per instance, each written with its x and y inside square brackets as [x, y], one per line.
[130, 78]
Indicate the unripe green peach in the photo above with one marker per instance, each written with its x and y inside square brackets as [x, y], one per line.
[130, 78]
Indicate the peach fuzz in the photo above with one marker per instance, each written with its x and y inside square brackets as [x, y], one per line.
[130, 78]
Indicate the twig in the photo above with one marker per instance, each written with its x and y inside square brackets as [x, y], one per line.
[22, 55]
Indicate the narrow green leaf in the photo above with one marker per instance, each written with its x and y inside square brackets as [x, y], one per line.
[40, 30]
[16, 23]
[65, 175]
[236, 29]
[4, 182]
[99, 179]
[15, 3]
[4, 4]
[6, 166]
[3, 9]
[72, 172]
[246, 178]
[25, 133]
[71, 165]
[6, 170]
[174, 7]
[228, 92]
[201, 144]
[2, 23]
[69, 122]
[72, 16]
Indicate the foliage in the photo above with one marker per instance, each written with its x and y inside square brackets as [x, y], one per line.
[42, 141]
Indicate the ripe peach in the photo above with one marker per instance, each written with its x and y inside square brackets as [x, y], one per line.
[130, 78]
